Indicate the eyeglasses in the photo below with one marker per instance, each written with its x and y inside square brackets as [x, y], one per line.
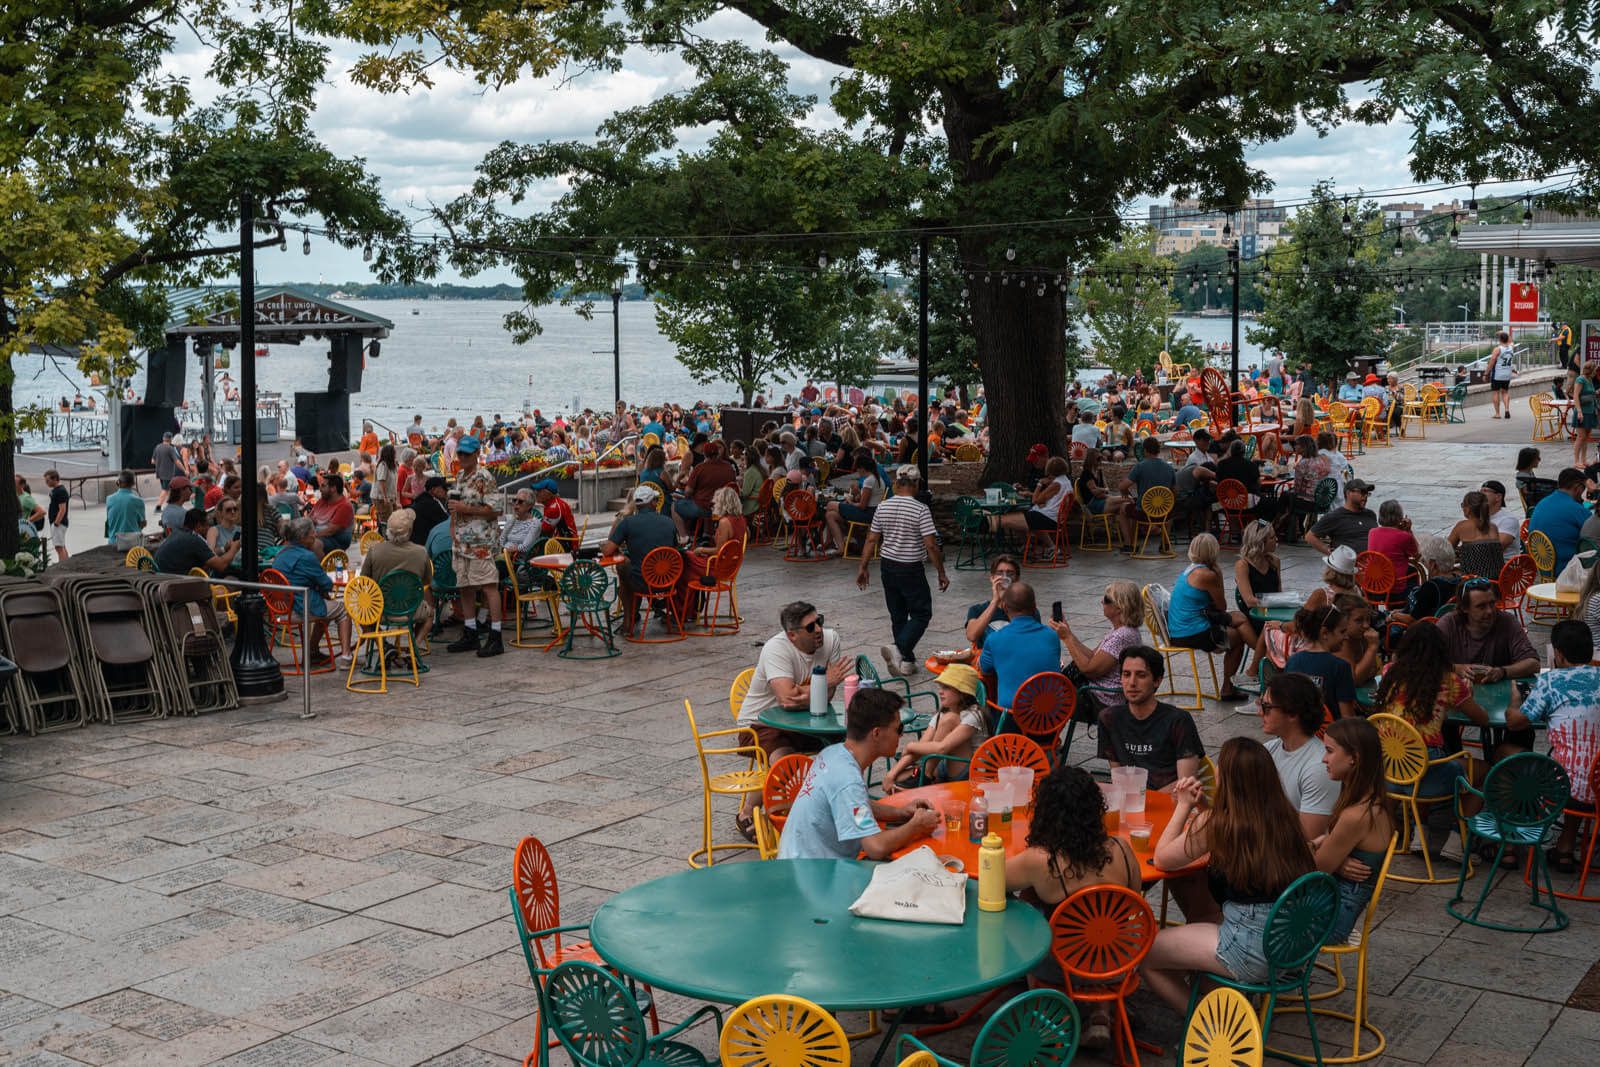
[1267, 705]
[814, 625]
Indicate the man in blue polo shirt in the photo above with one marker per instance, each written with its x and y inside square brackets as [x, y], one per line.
[1560, 516]
[1022, 648]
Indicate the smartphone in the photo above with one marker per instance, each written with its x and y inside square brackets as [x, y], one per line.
[1055, 611]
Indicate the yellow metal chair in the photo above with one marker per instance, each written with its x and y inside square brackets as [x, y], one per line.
[782, 1030]
[1208, 778]
[140, 558]
[1405, 761]
[363, 601]
[221, 595]
[850, 529]
[520, 597]
[1433, 402]
[368, 539]
[1546, 419]
[1088, 521]
[1361, 1026]
[766, 834]
[1156, 622]
[1223, 1032]
[726, 783]
[1373, 425]
[335, 557]
[739, 690]
[1412, 410]
[824, 470]
[1155, 507]
[969, 454]
[1345, 426]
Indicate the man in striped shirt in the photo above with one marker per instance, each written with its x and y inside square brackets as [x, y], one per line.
[902, 530]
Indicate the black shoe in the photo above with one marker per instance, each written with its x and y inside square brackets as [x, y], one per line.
[467, 642]
[492, 645]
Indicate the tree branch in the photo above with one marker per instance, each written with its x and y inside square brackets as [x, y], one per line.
[832, 48]
[146, 259]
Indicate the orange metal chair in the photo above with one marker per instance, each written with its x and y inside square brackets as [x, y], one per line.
[1234, 500]
[1099, 936]
[805, 529]
[764, 520]
[287, 626]
[536, 905]
[1519, 575]
[1042, 706]
[1376, 578]
[722, 570]
[1006, 750]
[661, 569]
[1061, 548]
[782, 786]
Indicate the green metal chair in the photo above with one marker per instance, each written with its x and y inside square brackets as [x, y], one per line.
[1455, 404]
[598, 1021]
[1522, 796]
[1297, 926]
[583, 591]
[444, 582]
[402, 595]
[1305, 515]
[1032, 1029]
[972, 551]
[866, 672]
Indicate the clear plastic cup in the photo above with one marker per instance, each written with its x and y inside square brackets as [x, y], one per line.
[955, 817]
[1022, 788]
[1139, 835]
[1113, 799]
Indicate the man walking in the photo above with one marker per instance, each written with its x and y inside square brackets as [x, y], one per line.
[902, 528]
[165, 459]
[56, 512]
[1502, 368]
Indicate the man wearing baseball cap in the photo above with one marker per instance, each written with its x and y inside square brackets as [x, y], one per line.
[640, 533]
[1504, 521]
[474, 542]
[558, 518]
[177, 497]
[1346, 525]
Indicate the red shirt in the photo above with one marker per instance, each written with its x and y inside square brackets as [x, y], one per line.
[339, 514]
[213, 495]
[709, 476]
[558, 519]
[1395, 543]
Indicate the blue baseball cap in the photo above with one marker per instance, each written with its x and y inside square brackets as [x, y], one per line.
[547, 484]
[468, 444]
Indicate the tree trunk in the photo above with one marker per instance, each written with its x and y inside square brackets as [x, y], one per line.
[747, 376]
[10, 510]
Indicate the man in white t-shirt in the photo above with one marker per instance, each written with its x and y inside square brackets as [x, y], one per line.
[1504, 521]
[782, 679]
[1291, 714]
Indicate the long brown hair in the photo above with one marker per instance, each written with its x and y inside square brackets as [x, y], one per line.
[1254, 836]
[1365, 786]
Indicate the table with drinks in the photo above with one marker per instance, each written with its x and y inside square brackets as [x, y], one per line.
[998, 501]
[1134, 812]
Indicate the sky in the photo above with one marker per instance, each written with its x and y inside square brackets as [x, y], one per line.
[424, 147]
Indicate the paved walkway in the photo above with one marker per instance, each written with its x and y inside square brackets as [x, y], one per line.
[250, 889]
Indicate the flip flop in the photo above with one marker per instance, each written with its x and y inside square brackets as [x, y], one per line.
[746, 826]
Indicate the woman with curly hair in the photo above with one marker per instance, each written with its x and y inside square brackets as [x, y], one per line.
[1257, 849]
[1069, 849]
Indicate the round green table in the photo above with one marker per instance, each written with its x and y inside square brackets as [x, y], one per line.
[1261, 614]
[803, 722]
[739, 930]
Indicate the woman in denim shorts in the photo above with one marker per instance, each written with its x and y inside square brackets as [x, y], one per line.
[1257, 849]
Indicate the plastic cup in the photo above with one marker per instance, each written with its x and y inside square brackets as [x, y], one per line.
[1139, 835]
[1113, 799]
[1022, 788]
[955, 817]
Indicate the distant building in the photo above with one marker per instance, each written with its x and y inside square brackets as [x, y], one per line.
[1184, 225]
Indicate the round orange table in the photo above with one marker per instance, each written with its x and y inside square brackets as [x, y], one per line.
[1157, 812]
[935, 665]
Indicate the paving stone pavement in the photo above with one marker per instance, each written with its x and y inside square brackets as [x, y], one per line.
[253, 890]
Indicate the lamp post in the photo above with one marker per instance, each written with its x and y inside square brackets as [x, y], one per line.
[255, 673]
[616, 340]
[1464, 310]
[1402, 310]
[1233, 267]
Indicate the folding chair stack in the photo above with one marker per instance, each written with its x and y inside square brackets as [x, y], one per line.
[48, 691]
[192, 652]
[115, 634]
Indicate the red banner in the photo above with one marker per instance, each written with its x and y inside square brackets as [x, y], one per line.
[1522, 305]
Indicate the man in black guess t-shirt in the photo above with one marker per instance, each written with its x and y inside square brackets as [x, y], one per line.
[1145, 732]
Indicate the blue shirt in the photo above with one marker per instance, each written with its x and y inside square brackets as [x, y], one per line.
[1350, 393]
[1189, 413]
[438, 540]
[1331, 673]
[124, 514]
[1571, 694]
[296, 563]
[832, 811]
[1016, 652]
[1186, 609]
[654, 428]
[1559, 517]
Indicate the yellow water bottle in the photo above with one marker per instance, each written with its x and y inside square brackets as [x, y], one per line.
[991, 874]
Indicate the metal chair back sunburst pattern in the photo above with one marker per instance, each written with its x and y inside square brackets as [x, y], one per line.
[1100, 935]
[1006, 750]
[1223, 1032]
[781, 1029]
[782, 786]
[1042, 706]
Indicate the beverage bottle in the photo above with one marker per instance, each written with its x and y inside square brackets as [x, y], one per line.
[978, 818]
[338, 572]
[851, 683]
[819, 691]
[991, 874]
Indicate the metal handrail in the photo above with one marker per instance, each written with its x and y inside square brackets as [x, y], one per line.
[508, 489]
[305, 629]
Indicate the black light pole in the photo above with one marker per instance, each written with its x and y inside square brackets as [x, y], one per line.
[255, 672]
[1233, 258]
[616, 341]
[922, 361]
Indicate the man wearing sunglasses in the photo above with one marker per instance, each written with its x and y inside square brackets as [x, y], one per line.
[1349, 524]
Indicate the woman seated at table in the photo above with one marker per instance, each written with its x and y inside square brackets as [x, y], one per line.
[1092, 492]
[1338, 576]
[727, 511]
[1362, 822]
[1324, 628]
[958, 730]
[1040, 519]
[1068, 850]
[1196, 600]
[1479, 544]
[1257, 572]
[1096, 669]
[1310, 467]
[1268, 449]
[1392, 538]
[860, 503]
[225, 528]
[655, 471]
[1421, 686]
[1361, 635]
[1257, 849]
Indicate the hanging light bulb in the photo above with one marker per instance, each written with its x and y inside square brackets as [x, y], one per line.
[1399, 249]
[1227, 225]
[305, 246]
[1350, 255]
[653, 262]
[1444, 286]
[964, 294]
[1193, 288]
[1527, 212]
[735, 262]
[1305, 270]
[1337, 288]
[987, 279]
[822, 261]
[1472, 201]
[805, 290]
[1345, 223]
[1466, 282]
[1455, 229]
[1005, 279]
[577, 264]
[1011, 252]
[366, 252]
[1118, 241]
[1039, 291]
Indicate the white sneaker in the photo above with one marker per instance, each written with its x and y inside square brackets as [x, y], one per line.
[343, 659]
[909, 667]
[891, 660]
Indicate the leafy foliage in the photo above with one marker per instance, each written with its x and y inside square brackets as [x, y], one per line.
[1125, 306]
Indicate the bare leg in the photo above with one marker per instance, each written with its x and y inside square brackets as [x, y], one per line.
[1178, 952]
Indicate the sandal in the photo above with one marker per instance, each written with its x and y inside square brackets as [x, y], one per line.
[1560, 862]
[747, 827]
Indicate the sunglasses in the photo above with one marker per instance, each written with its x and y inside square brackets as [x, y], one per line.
[814, 625]
[1105, 600]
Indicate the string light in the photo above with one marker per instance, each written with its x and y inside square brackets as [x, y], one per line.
[1527, 212]
[305, 246]
[1455, 230]
[1345, 224]
[1011, 252]
[1399, 249]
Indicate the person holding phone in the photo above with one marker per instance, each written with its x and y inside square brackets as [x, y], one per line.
[987, 616]
[1023, 648]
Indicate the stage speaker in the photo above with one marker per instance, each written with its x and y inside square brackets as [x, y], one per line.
[344, 369]
[742, 424]
[164, 374]
[322, 421]
[141, 430]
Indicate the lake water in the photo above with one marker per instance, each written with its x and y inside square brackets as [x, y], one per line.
[454, 358]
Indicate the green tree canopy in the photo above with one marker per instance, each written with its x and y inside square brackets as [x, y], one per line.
[1125, 306]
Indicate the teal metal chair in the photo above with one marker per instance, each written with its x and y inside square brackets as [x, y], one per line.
[866, 672]
[583, 591]
[444, 583]
[1033, 1029]
[1297, 926]
[598, 1022]
[972, 551]
[1455, 404]
[1522, 797]
[402, 595]
[1304, 515]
